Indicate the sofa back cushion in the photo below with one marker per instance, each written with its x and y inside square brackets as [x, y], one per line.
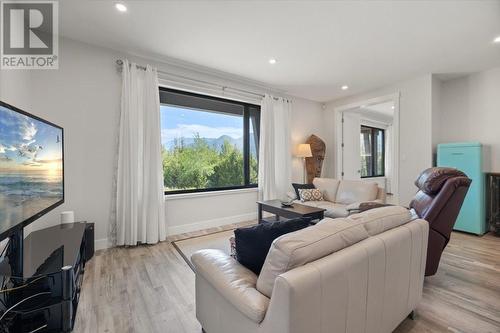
[307, 245]
[379, 220]
[297, 187]
[328, 186]
[326, 237]
[351, 191]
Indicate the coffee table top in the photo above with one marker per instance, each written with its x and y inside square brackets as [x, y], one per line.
[297, 208]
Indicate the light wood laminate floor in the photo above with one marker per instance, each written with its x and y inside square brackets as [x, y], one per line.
[151, 289]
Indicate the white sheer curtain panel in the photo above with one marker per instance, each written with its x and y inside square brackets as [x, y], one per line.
[140, 205]
[274, 152]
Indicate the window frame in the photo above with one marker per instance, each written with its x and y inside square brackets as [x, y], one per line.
[374, 150]
[246, 141]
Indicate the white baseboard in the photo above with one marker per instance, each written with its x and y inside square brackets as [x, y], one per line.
[102, 244]
[180, 229]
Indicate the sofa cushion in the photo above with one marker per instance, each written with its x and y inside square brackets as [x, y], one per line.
[306, 245]
[379, 220]
[328, 186]
[312, 194]
[309, 203]
[253, 243]
[297, 187]
[333, 210]
[351, 191]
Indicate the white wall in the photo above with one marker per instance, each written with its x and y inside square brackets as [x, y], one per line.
[470, 111]
[15, 87]
[436, 110]
[83, 97]
[414, 126]
[307, 119]
[187, 213]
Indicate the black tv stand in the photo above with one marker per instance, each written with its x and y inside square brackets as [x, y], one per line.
[15, 252]
[42, 290]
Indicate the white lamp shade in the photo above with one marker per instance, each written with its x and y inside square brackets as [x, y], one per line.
[304, 150]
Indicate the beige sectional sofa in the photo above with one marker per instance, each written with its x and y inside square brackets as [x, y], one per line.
[342, 195]
[363, 273]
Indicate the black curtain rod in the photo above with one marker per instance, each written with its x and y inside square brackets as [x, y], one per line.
[119, 62]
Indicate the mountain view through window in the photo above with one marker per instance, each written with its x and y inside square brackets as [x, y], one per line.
[207, 149]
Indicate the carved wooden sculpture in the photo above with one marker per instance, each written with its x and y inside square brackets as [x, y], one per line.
[314, 164]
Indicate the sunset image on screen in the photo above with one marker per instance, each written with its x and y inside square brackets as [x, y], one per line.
[31, 167]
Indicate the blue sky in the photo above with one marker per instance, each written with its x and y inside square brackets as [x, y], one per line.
[179, 122]
[28, 144]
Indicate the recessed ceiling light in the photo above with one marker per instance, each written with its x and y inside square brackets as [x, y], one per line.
[393, 107]
[121, 7]
[344, 87]
[272, 61]
[496, 40]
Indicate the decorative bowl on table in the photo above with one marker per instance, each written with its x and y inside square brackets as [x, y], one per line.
[287, 203]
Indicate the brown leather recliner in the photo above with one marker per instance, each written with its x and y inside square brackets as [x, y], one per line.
[439, 199]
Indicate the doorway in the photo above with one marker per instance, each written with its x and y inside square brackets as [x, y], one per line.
[368, 142]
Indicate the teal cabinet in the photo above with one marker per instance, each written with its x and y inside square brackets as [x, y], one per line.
[467, 157]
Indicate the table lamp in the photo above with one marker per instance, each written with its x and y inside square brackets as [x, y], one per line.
[303, 151]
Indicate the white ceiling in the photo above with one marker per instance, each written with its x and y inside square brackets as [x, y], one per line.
[319, 45]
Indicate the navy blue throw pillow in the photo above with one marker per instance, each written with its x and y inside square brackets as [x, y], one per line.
[298, 187]
[253, 243]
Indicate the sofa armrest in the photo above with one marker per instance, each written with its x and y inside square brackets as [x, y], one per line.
[381, 195]
[291, 195]
[233, 281]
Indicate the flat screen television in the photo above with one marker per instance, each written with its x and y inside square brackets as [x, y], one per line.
[31, 168]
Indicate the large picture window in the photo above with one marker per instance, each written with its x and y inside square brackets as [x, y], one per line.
[208, 143]
[372, 141]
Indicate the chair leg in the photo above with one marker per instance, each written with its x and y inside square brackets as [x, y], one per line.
[412, 315]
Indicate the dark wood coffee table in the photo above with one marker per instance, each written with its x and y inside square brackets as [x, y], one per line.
[297, 210]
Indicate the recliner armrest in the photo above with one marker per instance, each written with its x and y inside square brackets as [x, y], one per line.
[233, 281]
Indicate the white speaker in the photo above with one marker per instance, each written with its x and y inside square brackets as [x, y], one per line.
[68, 217]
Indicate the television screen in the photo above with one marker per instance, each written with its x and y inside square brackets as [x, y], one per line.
[31, 168]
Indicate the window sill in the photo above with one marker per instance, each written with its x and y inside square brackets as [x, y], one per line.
[209, 194]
